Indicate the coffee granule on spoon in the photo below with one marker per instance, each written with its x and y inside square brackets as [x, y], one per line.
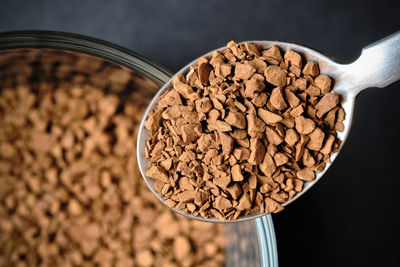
[242, 132]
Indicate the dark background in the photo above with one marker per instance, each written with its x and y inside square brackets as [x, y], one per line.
[350, 218]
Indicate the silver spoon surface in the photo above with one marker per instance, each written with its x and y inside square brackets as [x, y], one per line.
[377, 66]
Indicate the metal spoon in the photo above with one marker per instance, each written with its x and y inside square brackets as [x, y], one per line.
[377, 66]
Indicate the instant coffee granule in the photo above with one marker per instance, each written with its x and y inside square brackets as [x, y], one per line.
[71, 193]
[242, 132]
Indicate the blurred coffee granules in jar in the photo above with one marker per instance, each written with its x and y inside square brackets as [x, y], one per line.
[71, 193]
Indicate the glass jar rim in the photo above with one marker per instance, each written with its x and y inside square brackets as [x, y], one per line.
[84, 44]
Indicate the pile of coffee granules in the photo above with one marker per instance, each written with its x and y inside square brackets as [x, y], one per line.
[71, 193]
[242, 132]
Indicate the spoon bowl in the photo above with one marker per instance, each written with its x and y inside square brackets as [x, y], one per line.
[377, 66]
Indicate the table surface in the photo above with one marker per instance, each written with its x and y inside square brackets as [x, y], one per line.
[350, 217]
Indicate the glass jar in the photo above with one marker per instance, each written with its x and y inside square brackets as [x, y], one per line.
[77, 60]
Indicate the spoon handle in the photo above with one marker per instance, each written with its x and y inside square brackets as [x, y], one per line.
[378, 65]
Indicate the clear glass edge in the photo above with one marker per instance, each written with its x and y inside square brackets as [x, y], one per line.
[84, 44]
[267, 241]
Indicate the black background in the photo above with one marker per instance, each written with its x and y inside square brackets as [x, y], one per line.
[350, 218]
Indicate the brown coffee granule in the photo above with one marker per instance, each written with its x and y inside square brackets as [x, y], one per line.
[71, 193]
[243, 129]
